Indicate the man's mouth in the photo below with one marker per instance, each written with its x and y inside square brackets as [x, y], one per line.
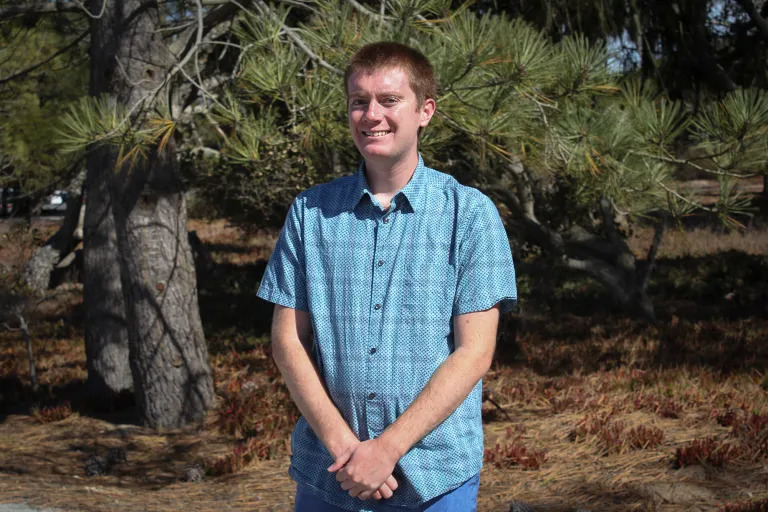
[379, 133]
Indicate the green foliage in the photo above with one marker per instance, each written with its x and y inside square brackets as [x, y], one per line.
[507, 93]
[31, 103]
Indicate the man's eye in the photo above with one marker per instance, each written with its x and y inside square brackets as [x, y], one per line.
[391, 100]
[356, 103]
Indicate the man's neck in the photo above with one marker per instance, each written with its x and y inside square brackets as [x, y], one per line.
[386, 178]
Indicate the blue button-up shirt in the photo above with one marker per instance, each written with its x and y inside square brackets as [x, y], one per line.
[382, 287]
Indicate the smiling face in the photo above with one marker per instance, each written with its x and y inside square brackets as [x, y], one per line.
[384, 115]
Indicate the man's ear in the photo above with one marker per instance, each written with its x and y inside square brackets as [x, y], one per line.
[427, 111]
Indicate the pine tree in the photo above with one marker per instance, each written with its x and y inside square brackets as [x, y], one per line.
[568, 148]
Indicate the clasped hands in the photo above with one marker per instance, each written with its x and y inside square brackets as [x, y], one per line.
[365, 468]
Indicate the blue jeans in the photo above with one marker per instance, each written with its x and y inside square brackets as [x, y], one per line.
[463, 498]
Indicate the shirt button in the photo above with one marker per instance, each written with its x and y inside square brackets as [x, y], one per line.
[385, 220]
[371, 396]
[373, 350]
[377, 306]
[381, 262]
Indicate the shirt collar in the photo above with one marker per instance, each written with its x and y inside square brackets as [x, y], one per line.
[407, 196]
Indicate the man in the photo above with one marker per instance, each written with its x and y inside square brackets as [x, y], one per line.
[387, 287]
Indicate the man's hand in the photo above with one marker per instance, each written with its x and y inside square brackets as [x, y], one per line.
[365, 470]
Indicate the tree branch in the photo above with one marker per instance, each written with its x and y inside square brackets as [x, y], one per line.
[653, 252]
[300, 43]
[33, 67]
[760, 22]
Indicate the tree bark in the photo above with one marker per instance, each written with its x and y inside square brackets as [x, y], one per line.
[172, 379]
[605, 258]
[106, 333]
[37, 271]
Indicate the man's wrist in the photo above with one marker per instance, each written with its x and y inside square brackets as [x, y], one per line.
[341, 443]
[391, 445]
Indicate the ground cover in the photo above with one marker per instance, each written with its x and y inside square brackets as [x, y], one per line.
[583, 409]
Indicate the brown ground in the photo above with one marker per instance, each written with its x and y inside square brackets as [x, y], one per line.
[698, 373]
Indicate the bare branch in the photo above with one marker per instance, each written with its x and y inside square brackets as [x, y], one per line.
[681, 197]
[696, 166]
[652, 253]
[90, 15]
[364, 10]
[33, 67]
[760, 22]
[300, 43]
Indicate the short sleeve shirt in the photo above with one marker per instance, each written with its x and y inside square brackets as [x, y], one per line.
[382, 288]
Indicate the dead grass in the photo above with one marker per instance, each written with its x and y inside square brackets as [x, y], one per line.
[700, 241]
[595, 411]
[228, 243]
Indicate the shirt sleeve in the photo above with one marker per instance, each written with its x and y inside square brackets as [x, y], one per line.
[284, 280]
[486, 273]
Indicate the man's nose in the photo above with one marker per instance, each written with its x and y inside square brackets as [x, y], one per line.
[373, 111]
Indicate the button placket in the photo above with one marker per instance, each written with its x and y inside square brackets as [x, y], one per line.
[378, 283]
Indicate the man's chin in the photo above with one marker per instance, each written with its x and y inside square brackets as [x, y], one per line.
[371, 151]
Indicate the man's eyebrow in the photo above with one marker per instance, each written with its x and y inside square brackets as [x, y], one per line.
[363, 94]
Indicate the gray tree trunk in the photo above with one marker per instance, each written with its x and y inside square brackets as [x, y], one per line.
[605, 258]
[106, 333]
[37, 271]
[172, 379]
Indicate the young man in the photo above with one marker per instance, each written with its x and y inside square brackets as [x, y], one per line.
[387, 287]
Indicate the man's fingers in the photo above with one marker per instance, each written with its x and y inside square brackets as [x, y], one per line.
[355, 491]
[340, 461]
[377, 495]
[384, 491]
[347, 485]
[342, 475]
[391, 482]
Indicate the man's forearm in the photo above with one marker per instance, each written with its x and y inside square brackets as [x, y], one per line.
[450, 385]
[446, 389]
[306, 387]
[370, 461]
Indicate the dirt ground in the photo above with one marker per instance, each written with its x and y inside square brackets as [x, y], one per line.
[584, 411]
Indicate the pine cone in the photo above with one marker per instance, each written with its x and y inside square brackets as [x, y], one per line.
[194, 473]
[96, 465]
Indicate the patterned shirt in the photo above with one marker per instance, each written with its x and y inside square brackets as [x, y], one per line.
[381, 287]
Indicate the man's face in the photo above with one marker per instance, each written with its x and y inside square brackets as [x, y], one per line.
[383, 115]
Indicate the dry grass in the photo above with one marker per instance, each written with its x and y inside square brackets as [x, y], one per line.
[700, 242]
[229, 244]
[594, 411]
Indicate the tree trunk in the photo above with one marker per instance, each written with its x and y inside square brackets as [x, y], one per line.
[106, 334]
[37, 271]
[172, 379]
[605, 258]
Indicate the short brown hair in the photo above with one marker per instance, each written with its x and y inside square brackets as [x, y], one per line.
[387, 54]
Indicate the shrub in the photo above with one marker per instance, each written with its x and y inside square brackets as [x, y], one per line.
[752, 429]
[749, 506]
[709, 451]
[663, 406]
[514, 454]
[51, 414]
[642, 437]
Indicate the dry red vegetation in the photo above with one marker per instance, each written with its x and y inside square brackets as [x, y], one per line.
[581, 411]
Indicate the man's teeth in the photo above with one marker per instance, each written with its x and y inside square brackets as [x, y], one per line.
[376, 134]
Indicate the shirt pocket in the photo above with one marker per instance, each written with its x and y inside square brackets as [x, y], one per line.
[429, 286]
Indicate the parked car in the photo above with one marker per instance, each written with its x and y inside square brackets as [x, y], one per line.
[56, 202]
